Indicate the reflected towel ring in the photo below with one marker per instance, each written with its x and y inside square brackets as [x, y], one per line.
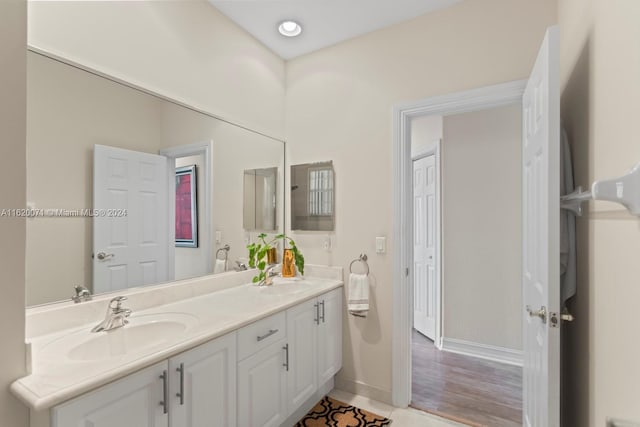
[224, 249]
[363, 259]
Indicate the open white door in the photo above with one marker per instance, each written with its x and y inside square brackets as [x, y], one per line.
[131, 250]
[424, 243]
[541, 238]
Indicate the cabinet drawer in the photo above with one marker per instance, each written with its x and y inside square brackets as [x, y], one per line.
[261, 334]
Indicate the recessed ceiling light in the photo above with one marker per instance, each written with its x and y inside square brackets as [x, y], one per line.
[290, 28]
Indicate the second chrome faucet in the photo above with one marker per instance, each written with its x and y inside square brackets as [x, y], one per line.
[116, 316]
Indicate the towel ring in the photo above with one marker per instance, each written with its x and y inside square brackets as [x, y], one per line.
[363, 259]
[224, 249]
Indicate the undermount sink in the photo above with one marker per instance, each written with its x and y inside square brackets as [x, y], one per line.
[142, 332]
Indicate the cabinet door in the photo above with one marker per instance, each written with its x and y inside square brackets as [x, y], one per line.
[133, 401]
[330, 335]
[302, 332]
[262, 387]
[203, 385]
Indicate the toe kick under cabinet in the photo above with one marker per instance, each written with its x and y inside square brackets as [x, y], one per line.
[256, 376]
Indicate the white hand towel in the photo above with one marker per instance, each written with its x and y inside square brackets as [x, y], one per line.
[220, 267]
[358, 302]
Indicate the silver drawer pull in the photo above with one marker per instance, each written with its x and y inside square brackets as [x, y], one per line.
[268, 334]
[165, 392]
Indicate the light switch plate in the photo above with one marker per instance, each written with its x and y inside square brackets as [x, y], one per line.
[218, 236]
[381, 245]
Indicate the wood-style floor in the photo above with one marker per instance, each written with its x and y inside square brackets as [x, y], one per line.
[465, 388]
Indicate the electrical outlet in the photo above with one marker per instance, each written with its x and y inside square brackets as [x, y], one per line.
[612, 422]
[326, 243]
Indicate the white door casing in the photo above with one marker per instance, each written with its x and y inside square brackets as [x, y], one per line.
[136, 246]
[424, 253]
[540, 236]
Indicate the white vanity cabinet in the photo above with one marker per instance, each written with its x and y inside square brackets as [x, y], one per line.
[261, 375]
[133, 401]
[306, 351]
[262, 387]
[314, 335]
[302, 337]
[262, 372]
[329, 335]
[202, 383]
[195, 388]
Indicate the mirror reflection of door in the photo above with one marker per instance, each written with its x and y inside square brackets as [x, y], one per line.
[129, 250]
[260, 199]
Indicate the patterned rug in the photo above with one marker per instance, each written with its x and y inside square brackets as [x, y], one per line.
[333, 413]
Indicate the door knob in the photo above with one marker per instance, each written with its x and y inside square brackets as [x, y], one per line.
[104, 256]
[542, 313]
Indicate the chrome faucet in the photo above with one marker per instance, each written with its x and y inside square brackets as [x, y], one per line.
[116, 316]
[240, 266]
[270, 273]
[82, 294]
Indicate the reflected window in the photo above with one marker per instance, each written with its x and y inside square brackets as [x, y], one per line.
[321, 192]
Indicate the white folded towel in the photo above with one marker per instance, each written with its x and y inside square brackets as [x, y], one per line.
[220, 267]
[358, 302]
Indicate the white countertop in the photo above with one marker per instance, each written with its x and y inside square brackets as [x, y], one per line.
[55, 378]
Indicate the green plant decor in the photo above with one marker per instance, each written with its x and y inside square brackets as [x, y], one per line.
[258, 255]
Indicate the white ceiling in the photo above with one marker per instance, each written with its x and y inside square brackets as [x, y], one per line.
[324, 22]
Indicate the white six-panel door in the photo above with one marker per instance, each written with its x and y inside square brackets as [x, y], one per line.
[424, 254]
[135, 246]
[541, 253]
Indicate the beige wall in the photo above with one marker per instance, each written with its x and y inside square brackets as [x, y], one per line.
[186, 50]
[13, 22]
[481, 221]
[600, 77]
[338, 107]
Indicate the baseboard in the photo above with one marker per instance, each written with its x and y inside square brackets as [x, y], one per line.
[483, 351]
[304, 409]
[362, 389]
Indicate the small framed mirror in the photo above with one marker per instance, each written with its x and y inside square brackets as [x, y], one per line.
[260, 199]
[312, 197]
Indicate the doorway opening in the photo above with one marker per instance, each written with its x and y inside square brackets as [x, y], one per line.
[457, 347]
[193, 260]
[468, 204]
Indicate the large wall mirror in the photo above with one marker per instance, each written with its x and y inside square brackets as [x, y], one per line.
[93, 143]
